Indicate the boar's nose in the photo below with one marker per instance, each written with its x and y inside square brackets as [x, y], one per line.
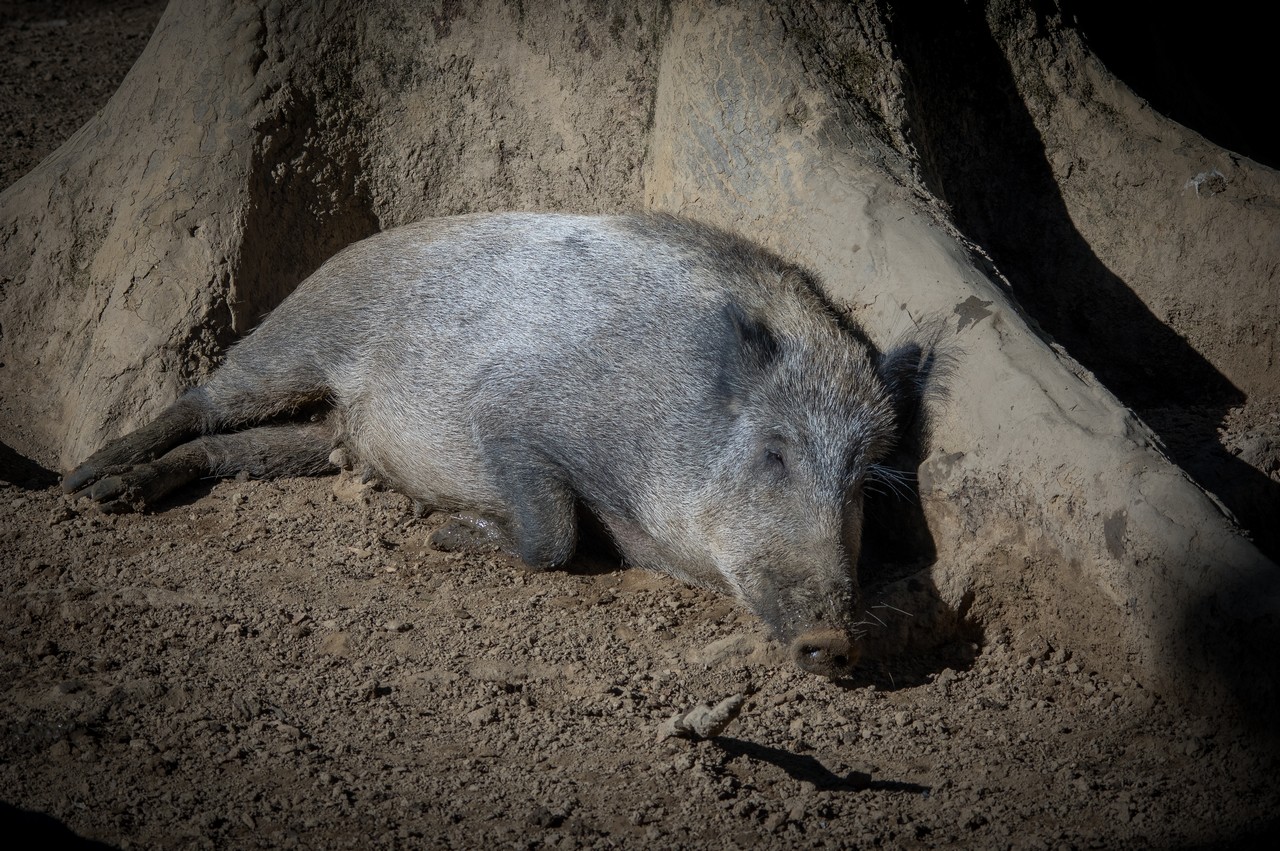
[827, 652]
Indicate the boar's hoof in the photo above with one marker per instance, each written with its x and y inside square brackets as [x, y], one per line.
[471, 533]
[827, 652]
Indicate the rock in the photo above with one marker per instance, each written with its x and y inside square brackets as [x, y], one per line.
[61, 514]
[482, 716]
[704, 721]
[352, 491]
[737, 645]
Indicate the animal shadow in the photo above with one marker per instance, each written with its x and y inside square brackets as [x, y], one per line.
[807, 768]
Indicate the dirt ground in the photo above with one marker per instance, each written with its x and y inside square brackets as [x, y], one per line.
[289, 664]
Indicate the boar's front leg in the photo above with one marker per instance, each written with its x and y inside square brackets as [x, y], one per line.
[544, 516]
[540, 523]
[539, 533]
[263, 452]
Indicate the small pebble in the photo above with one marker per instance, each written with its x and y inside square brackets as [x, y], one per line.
[482, 716]
[61, 514]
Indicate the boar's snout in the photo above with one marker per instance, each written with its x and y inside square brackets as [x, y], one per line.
[828, 652]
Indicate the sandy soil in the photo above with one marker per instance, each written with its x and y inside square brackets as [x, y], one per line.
[61, 63]
[289, 664]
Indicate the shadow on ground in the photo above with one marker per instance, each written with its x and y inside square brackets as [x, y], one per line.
[809, 769]
[17, 469]
[43, 831]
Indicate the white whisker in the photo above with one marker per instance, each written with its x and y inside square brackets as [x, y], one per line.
[899, 482]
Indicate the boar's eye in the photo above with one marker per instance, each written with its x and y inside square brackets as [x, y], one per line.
[775, 457]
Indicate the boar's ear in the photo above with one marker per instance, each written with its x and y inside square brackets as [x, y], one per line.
[915, 374]
[905, 373]
[747, 348]
[751, 337]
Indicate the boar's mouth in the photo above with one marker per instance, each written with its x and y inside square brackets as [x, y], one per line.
[826, 652]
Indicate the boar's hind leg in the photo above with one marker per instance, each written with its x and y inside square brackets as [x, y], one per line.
[253, 386]
[263, 452]
[175, 424]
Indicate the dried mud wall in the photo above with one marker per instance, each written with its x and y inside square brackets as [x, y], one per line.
[1040, 485]
[1150, 254]
[251, 141]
